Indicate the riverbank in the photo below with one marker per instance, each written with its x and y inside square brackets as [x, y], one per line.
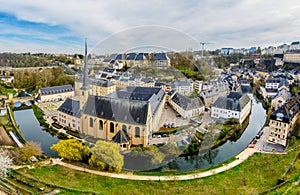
[256, 174]
[238, 160]
[16, 128]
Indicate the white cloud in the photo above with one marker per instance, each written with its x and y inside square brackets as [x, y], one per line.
[232, 23]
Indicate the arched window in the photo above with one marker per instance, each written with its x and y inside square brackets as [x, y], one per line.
[124, 127]
[112, 127]
[91, 122]
[100, 125]
[137, 132]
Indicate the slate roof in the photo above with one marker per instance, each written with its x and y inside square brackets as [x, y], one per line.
[98, 82]
[119, 57]
[235, 101]
[185, 102]
[283, 82]
[71, 107]
[121, 137]
[131, 56]
[182, 83]
[286, 95]
[56, 89]
[216, 90]
[161, 56]
[246, 89]
[140, 93]
[120, 110]
[140, 56]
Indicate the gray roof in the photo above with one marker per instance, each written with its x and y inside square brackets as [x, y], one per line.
[71, 107]
[216, 90]
[235, 101]
[140, 93]
[98, 82]
[121, 137]
[185, 102]
[120, 110]
[154, 96]
[56, 89]
[182, 83]
[285, 94]
[161, 56]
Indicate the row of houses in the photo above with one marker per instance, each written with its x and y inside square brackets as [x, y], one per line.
[157, 60]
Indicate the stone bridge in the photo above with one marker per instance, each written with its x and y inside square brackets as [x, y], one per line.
[23, 99]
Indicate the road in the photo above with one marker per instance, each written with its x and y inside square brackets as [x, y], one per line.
[239, 159]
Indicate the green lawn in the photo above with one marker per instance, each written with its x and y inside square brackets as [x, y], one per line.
[260, 172]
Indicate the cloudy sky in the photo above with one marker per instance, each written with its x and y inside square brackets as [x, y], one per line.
[58, 26]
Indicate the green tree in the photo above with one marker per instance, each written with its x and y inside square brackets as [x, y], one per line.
[107, 153]
[71, 150]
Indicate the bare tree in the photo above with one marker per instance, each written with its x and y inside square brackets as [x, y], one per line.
[5, 162]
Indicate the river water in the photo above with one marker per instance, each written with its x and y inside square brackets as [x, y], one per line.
[32, 131]
[225, 151]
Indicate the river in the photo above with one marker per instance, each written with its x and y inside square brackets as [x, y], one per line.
[225, 151]
[32, 131]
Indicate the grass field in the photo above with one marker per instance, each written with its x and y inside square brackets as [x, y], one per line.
[258, 173]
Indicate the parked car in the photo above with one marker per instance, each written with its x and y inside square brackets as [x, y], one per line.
[165, 135]
[176, 133]
[178, 115]
[251, 146]
[169, 125]
[172, 125]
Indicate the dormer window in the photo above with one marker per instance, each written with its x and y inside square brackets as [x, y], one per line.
[279, 116]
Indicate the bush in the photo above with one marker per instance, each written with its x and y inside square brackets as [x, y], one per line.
[58, 126]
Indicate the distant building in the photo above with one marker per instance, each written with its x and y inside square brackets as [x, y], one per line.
[226, 51]
[100, 87]
[184, 87]
[3, 111]
[295, 45]
[106, 73]
[283, 120]
[292, 56]
[198, 86]
[280, 99]
[141, 59]
[7, 79]
[212, 90]
[235, 105]
[161, 60]
[273, 85]
[186, 107]
[244, 87]
[56, 93]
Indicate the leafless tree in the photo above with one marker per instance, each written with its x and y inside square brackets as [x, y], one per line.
[5, 162]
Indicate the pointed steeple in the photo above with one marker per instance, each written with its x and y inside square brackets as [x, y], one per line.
[85, 89]
[85, 85]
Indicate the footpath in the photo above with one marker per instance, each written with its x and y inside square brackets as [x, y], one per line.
[239, 159]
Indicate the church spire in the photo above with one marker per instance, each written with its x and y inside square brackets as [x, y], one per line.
[85, 89]
[85, 69]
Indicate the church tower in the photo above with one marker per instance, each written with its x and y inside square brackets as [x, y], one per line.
[85, 89]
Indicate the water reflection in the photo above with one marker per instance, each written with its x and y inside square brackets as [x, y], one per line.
[32, 131]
